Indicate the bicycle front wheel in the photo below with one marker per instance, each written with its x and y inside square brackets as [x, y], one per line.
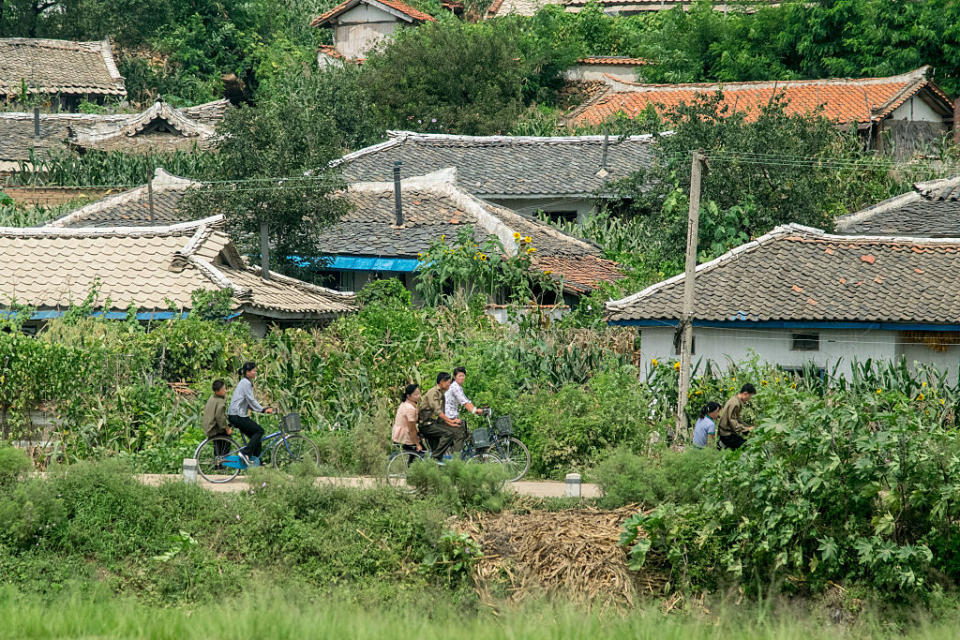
[295, 449]
[516, 457]
[212, 459]
[397, 468]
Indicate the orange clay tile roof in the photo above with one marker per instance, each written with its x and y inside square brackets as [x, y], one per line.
[613, 60]
[414, 14]
[843, 99]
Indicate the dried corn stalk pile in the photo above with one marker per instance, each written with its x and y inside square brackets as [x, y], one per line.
[574, 553]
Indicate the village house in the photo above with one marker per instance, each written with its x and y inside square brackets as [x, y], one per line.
[562, 176]
[900, 114]
[376, 239]
[61, 71]
[799, 296]
[931, 210]
[152, 271]
[368, 243]
[359, 25]
[25, 136]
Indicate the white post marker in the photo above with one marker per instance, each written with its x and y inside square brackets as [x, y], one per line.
[190, 467]
[573, 485]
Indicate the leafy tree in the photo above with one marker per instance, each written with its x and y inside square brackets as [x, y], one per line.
[754, 181]
[457, 77]
[273, 169]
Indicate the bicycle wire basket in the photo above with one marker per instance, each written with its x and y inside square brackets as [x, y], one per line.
[504, 426]
[480, 438]
[291, 423]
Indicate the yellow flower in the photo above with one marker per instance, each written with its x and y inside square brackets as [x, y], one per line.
[676, 365]
[923, 384]
[516, 236]
[527, 239]
[547, 272]
[530, 250]
[879, 391]
[763, 382]
[942, 401]
[443, 237]
[483, 257]
[654, 362]
[919, 396]
[793, 386]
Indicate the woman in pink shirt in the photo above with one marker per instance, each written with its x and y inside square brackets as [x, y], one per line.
[405, 424]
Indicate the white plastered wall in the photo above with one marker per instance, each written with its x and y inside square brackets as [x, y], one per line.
[773, 346]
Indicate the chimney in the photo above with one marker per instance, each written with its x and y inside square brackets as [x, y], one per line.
[397, 199]
[264, 252]
[36, 122]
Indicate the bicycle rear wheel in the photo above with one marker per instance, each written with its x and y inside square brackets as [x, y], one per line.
[297, 449]
[397, 468]
[515, 455]
[212, 459]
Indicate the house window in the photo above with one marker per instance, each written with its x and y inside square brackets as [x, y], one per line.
[805, 342]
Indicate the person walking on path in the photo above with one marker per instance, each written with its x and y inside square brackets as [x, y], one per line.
[241, 404]
[730, 429]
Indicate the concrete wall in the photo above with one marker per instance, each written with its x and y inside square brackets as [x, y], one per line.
[360, 29]
[947, 361]
[596, 72]
[529, 206]
[723, 346]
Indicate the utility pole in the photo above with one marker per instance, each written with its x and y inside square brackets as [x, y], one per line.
[689, 292]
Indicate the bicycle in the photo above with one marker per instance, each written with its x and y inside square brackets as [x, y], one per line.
[399, 461]
[511, 451]
[218, 459]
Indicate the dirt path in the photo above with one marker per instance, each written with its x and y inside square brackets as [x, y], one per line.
[537, 489]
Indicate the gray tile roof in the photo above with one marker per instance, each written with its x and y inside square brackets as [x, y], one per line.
[505, 165]
[132, 132]
[932, 210]
[58, 66]
[433, 206]
[150, 268]
[796, 273]
[132, 208]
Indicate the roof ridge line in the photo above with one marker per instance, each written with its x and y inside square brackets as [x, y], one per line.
[917, 74]
[219, 278]
[849, 219]
[160, 230]
[376, 148]
[413, 135]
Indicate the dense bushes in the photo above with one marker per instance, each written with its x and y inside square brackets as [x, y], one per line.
[95, 523]
[626, 477]
[841, 486]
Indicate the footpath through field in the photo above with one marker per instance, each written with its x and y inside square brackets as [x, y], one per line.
[536, 489]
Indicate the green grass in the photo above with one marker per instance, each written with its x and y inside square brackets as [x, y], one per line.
[275, 615]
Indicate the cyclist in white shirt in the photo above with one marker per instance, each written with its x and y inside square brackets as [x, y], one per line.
[455, 398]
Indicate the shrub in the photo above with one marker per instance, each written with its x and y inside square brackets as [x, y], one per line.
[14, 465]
[460, 485]
[626, 477]
[840, 487]
[389, 292]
